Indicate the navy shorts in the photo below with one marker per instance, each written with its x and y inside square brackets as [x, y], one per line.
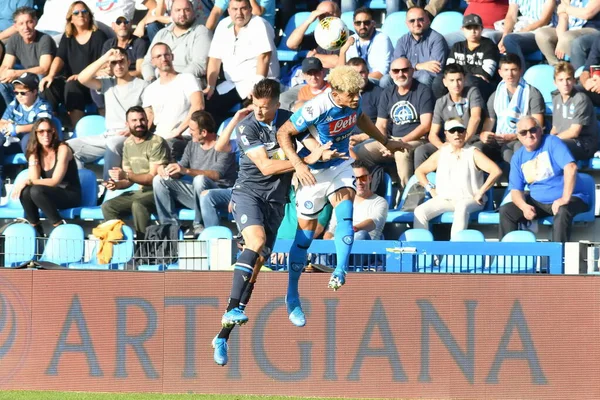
[249, 209]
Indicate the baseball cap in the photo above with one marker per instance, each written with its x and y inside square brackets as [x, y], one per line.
[311, 64]
[472, 20]
[452, 124]
[28, 80]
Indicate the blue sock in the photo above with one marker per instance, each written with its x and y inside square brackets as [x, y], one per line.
[344, 234]
[297, 260]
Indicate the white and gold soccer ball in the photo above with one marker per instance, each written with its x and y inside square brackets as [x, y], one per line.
[331, 33]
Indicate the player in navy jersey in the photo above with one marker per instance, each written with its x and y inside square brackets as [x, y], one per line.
[329, 117]
[259, 196]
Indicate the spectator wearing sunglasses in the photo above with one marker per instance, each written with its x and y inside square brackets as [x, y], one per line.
[32, 49]
[21, 113]
[121, 91]
[369, 44]
[461, 187]
[425, 48]
[135, 47]
[573, 114]
[545, 164]
[80, 46]
[405, 113]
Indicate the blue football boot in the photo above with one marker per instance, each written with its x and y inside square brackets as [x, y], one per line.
[233, 317]
[221, 348]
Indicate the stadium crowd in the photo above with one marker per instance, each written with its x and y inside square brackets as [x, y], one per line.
[165, 84]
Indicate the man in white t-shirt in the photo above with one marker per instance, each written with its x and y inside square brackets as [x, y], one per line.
[121, 92]
[369, 212]
[171, 100]
[244, 44]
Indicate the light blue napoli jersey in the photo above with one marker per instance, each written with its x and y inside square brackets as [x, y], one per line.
[327, 122]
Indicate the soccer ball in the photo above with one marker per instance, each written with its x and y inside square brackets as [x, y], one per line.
[331, 33]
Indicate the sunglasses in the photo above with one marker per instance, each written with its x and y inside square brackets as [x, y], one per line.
[365, 23]
[44, 131]
[82, 12]
[21, 93]
[398, 70]
[122, 21]
[362, 178]
[412, 21]
[113, 63]
[524, 132]
[460, 131]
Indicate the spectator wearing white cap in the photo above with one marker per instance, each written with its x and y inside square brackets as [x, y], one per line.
[460, 182]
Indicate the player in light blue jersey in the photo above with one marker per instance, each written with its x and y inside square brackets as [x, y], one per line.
[329, 117]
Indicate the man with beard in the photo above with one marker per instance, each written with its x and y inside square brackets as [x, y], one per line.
[189, 39]
[121, 91]
[405, 113]
[143, 154]
[371, 45]
[171, 100]
[135, 47]
[202, 167]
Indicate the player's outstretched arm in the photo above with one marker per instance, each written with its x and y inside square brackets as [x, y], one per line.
[368, 127]
[285, 138]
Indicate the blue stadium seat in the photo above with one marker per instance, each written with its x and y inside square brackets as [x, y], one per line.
[389, 190]
[514, 264]
[423, 262]
[453, 263]
[89, 194]
[19, 244]
[375, 4]
[95, 212]
[397, 215]
[90, 125]
[64, 245]
[447, 22]
[13, 208]
[284, 53]
[542, 78]
[222, 127]
[122, 254]
[216, 232]
[395, 26]
[348, 18]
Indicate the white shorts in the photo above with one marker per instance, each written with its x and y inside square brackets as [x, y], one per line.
[310, 200]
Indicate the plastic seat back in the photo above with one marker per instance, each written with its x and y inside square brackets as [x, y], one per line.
[89, 188]
[515, 264]
[417, 235]
[90, 125]
[19, 244]
[395, 26]
[541, 77]
[447, 22]
[65, 245]
[454, 263]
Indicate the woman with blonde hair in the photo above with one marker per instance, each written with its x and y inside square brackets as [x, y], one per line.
[80, 45]
[53, 181]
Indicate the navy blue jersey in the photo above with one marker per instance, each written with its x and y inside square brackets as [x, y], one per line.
[252, 135]
[327, 122]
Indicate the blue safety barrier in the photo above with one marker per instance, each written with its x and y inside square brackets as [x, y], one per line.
[397, 256]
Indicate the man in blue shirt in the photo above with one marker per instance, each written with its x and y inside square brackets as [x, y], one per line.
[425, 48]
[546, 165]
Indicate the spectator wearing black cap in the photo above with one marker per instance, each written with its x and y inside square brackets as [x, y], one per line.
[314, 75]
[477, 55]
[18, 118]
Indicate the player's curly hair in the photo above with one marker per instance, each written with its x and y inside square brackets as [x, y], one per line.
[345, 79]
